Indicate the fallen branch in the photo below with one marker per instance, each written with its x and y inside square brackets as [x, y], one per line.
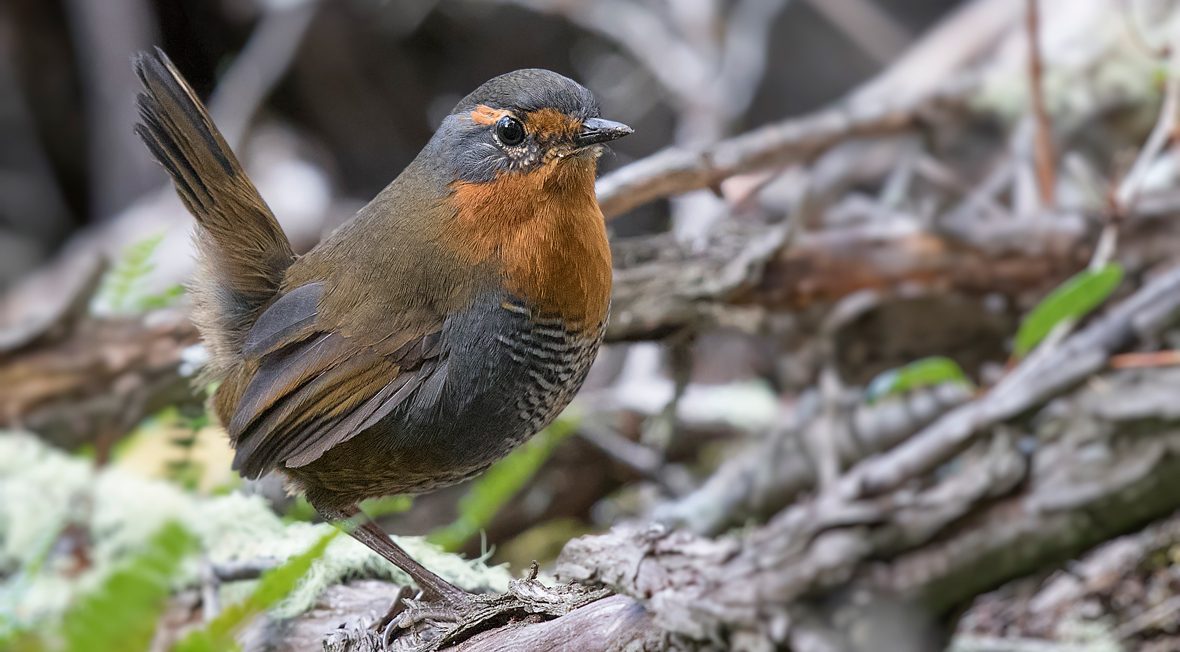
[676, 171]
[607, 624]
[998, 517]
[1044, 374]
[756, 483]
[1001, 515]
[94, 380]
[662, 286]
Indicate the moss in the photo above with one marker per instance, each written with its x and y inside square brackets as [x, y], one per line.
[43, 489]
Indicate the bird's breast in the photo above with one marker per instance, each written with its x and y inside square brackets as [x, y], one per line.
[546, 234]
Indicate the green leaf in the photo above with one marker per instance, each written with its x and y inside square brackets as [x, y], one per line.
[936, 370]
[121, 614]
[122, 288]
[274, 585]
[187, 471]
[378, 507]
[19, 640]
[493, 489]
[300, 511]
[168, 297]
[123, 281]
[1072, 300]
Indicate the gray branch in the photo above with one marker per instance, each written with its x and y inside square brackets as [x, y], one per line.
[678, 170]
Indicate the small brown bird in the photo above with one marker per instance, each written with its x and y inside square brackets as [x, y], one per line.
[452, 318]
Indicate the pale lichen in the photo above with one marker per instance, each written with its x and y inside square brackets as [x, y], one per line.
[42, 490]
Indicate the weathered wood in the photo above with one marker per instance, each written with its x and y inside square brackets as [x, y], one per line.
[98, 379]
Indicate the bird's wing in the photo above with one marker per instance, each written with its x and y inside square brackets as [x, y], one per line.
[316, 387]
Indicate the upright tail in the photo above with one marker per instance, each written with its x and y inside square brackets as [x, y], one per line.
[242, 251]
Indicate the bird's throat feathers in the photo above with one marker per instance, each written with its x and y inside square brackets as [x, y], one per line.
[546, 230]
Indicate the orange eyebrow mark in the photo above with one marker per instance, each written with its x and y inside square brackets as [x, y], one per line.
[486, 115]
[551, 123]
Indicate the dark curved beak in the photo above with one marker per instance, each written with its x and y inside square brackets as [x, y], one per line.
[598, 130]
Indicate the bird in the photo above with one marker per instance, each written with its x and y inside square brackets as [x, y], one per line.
[450, 319]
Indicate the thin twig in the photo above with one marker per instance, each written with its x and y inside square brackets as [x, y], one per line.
[104, 35]
[1041, 375]
[743, 61]
[1148, 360]
[1129, 189]
[260, 65]
[868, 25]
[644, 460]
[1043, 151]
[641, 32]
[210, 591]
[676, 171]
[1162, 616]
[240, 571]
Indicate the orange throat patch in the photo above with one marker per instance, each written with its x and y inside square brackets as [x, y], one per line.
[546, 230]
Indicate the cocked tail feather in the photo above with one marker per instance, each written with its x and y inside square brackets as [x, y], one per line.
[243, 253]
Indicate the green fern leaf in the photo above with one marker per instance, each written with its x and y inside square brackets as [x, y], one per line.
[499, 484]
[274, 585]
[122, 289]
[121, 614]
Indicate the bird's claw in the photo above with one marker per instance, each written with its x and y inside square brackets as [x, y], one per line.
[415, 623]
[422, 624]
[387, 625]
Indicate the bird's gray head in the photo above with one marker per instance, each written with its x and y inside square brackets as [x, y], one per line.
[520, 122]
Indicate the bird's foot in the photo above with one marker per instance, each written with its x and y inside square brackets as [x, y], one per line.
[423, 625]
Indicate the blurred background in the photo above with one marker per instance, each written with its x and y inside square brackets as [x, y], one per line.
[353, 89]
[908, 216]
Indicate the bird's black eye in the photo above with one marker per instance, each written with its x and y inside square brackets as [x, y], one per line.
[509, 131]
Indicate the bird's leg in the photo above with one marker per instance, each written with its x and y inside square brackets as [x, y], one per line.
[361, 528]
[446, 602]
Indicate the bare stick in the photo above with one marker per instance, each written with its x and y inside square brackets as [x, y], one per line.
[1043, 150]
[676, 170]
[267, 55]
[1132, 184]
[1041, 375]
[868, 25]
